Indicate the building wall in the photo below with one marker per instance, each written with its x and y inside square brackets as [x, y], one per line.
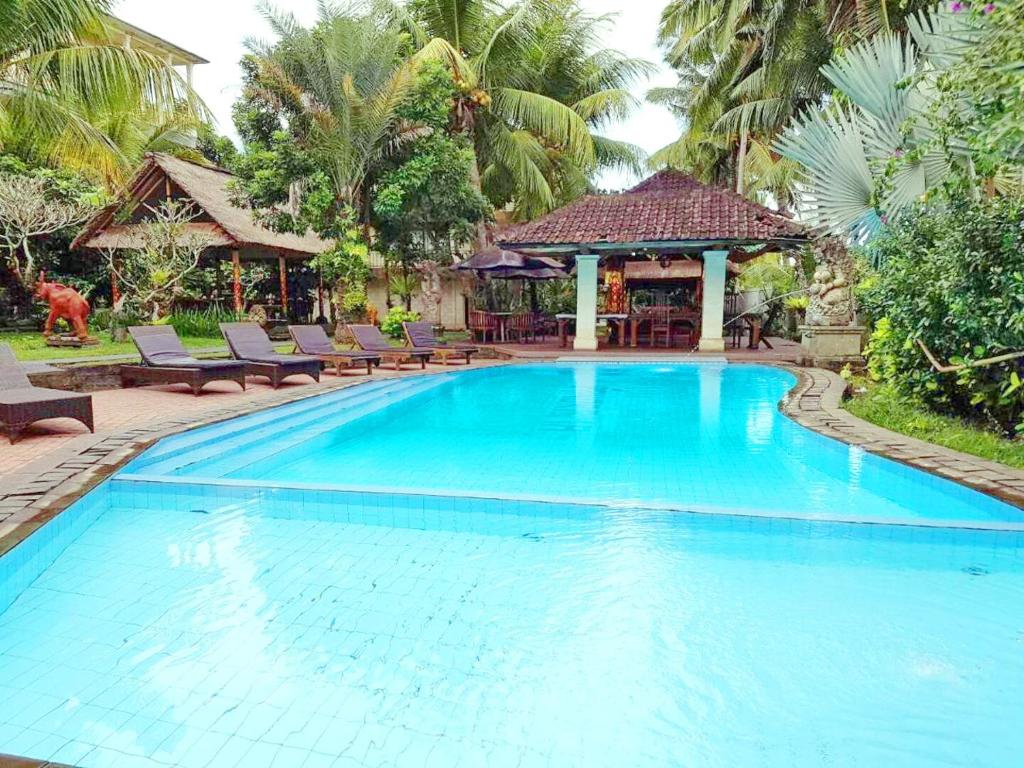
[453, 303]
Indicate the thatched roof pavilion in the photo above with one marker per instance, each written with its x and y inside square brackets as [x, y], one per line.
[232, 230]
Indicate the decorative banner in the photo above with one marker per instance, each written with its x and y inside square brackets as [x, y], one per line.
[615, 298]
[653, 270]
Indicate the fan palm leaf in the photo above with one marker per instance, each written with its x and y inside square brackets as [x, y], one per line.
[838, 185]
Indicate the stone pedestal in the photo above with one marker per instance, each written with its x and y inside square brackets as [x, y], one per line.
[828, 346]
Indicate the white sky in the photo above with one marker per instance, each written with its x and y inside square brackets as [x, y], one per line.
[216, 30]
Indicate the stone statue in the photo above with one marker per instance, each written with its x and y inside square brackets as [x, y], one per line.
[65, 302]
[431, 288]
[831, 293]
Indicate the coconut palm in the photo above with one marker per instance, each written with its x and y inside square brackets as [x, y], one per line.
[537, 87]
[749, 68]
[55, 60]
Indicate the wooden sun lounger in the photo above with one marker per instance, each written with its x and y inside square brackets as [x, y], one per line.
[165, 361]
[250, 344]
[22, 403]
[421, 335]
[312, 340]
[370, 339]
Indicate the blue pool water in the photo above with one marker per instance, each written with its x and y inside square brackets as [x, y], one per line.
[197, 611]
[695, 437]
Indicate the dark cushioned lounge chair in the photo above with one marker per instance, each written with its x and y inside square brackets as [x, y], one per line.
[165, 361]
[21, 403]
[422, 335]
[369, 338]
[312, 340]
[250, 343]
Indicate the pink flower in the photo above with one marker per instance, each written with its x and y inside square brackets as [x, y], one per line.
[988, 8]
[956, 6]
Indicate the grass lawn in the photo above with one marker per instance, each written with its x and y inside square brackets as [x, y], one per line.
[882, 405]
[32, 346]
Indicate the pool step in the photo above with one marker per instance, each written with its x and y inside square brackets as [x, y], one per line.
[295, 421]
[201, 435]
[244, 452]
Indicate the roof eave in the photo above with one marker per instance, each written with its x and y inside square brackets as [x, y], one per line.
[789, 241]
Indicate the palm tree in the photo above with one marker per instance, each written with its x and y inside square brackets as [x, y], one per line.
[748, 68]
[537, 87]
[341, 83]
[57, 71]
[872, 153]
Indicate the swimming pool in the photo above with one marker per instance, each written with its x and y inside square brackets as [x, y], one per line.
[198, 611]
[696, 437]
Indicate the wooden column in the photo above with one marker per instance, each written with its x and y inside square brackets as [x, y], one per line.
[115, 288]
[282, 268]
[236, 281]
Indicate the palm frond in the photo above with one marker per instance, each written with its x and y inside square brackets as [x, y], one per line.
[548, 118]
[605, 106]
[837, 182]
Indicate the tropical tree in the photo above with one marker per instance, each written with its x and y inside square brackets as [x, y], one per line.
[747, 68]
[57, 70]
[35, 206]
[425, 208]
[153, 274]
[872, 152]
[536, 86]
[339, 85]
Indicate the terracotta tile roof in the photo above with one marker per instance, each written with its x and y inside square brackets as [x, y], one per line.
[669, 206]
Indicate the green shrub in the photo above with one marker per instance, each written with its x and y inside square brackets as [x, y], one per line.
[952, 276]
[391, 324]
[355, 302]
[201, 323]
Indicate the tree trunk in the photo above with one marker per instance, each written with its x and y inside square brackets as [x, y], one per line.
[482, 239]
[741, 162]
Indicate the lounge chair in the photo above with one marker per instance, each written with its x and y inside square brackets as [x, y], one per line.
[22, 404]
[312, 340]
[421, 335]
[370, 339]
[165, 361]
[250, 343]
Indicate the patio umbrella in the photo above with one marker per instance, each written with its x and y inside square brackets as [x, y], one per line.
[512, 265]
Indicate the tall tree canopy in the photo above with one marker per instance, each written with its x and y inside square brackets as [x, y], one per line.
[536, 88]
[746, 69]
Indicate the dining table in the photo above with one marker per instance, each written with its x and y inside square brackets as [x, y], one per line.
[620, 322]
[502, 319]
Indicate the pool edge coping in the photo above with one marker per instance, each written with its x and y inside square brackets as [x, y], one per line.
[814, 402]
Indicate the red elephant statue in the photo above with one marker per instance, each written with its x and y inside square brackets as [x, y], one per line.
[64, 302]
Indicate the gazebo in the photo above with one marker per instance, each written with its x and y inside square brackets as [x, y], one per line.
[233, 231]
[671, 219]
